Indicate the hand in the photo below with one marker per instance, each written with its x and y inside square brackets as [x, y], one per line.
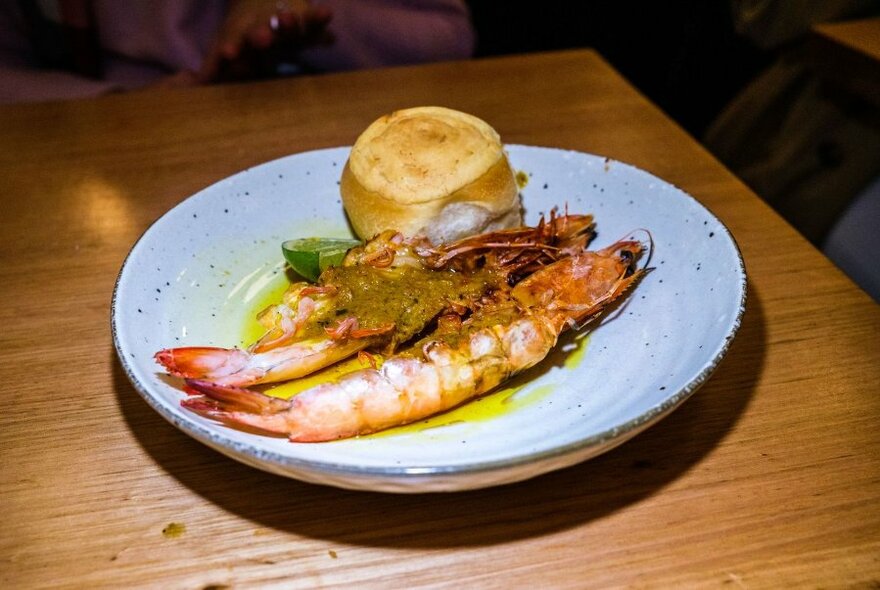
[257, 35]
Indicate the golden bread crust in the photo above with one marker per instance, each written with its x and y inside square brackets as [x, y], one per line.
[429, 171]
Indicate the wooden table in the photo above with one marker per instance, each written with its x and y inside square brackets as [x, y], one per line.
[768, 477]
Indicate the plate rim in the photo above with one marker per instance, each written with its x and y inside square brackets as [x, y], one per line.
[618, 433]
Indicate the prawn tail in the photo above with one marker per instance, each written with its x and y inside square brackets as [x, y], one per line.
[237, 406]
[232, 398]
[199, 362]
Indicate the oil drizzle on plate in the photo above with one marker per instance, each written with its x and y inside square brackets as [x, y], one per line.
[270, 293]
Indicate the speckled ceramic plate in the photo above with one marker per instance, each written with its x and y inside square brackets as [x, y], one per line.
[201, 272]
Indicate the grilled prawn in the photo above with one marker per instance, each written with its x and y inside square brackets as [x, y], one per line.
[461, 360]
[384, 294]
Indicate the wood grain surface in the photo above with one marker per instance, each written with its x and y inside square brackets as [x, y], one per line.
[768, 477]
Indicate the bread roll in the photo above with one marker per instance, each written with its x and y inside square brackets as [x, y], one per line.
[429, 171]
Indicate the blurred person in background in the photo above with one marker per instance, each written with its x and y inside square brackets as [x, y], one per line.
[62, 49]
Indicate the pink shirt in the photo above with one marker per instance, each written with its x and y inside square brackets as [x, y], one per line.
[144, 40]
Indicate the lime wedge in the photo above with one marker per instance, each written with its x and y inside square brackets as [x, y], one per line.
[309, 257]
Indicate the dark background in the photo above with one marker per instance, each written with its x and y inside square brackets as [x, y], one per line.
[684, 55]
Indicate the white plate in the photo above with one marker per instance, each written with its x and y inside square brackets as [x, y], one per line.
[197, 275]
